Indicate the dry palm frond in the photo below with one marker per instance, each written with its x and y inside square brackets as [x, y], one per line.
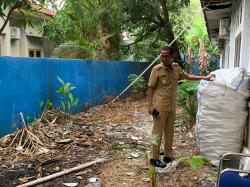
[26, 141]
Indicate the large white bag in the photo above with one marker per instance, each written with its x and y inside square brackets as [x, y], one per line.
[222, 113]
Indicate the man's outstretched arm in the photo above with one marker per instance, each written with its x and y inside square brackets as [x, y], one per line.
[207, 78]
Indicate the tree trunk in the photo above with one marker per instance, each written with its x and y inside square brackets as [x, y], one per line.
[169, 30]
[7, 18]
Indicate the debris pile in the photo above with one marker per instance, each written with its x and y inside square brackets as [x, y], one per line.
[119, 132]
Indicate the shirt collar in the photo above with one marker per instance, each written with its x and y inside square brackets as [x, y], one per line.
[167, 68]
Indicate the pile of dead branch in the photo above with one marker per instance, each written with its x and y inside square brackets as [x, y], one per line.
[54, 130]
[58, 130]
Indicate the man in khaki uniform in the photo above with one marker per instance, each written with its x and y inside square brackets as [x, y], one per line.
[162, 96]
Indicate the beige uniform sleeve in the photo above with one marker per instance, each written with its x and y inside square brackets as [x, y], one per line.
[182, 74]
[152, 79]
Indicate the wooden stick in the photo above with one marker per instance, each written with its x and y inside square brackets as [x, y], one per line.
[14, 138]
[55, 175]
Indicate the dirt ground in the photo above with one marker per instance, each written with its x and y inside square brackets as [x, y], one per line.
[119, 132]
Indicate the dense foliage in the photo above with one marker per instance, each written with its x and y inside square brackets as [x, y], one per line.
[99, 27]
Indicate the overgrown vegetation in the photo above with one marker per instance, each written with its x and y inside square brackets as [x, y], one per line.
[139, 85]
[195, 162]
[99, 27]
[71, 50]
[187, 99]
[94, 24]
[213, 65]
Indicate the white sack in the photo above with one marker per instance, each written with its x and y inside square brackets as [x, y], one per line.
[222, 113]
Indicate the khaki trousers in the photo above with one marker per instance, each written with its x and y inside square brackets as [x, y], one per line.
[163, 124]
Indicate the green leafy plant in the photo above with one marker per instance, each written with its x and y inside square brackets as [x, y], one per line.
[49, 104]
[151, 174]
[195, 161]
[187, 98]
[68, 99]
[139, 85]
[14, 125]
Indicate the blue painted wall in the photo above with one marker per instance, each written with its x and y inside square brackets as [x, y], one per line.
[26, 82]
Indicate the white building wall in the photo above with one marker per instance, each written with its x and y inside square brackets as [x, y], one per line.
[23, 44]
[226, 54]
[245, 42]
[30, 38]
[15, 48]
[235, 6]
[33, 31]
[244, 29]
[5, 39]
[5, 45]
[35, 43]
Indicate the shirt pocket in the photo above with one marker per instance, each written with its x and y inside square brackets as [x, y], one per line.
[164, 80]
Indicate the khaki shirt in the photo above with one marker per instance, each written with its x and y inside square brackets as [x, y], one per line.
[164, 81]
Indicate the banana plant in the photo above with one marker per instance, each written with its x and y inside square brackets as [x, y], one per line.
[187, 98]
[68, 99]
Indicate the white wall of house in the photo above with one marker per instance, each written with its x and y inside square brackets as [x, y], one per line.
[15, 47]
[225, 53]
[233, 33]
[245, 60]
[240, 28]
[33, 32]
[35, 43]
[30, 39]
[23, 44]
[5, 40]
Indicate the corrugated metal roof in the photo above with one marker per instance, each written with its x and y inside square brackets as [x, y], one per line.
[213, 12]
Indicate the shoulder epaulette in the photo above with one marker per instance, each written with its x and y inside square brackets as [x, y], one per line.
[158, 67]
[175, 64]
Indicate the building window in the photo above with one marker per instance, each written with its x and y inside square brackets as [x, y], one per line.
[237, 51]
[35, 53]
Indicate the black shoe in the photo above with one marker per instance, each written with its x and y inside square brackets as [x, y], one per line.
[157, 163]
[168, 159]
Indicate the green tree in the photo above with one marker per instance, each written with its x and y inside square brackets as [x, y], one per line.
[151, 29]
[93, 23]
[71, 50]
[97, 26]
[7, 7]
[139, 85]
[196, 35]
[195, 40]
[27, 10]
